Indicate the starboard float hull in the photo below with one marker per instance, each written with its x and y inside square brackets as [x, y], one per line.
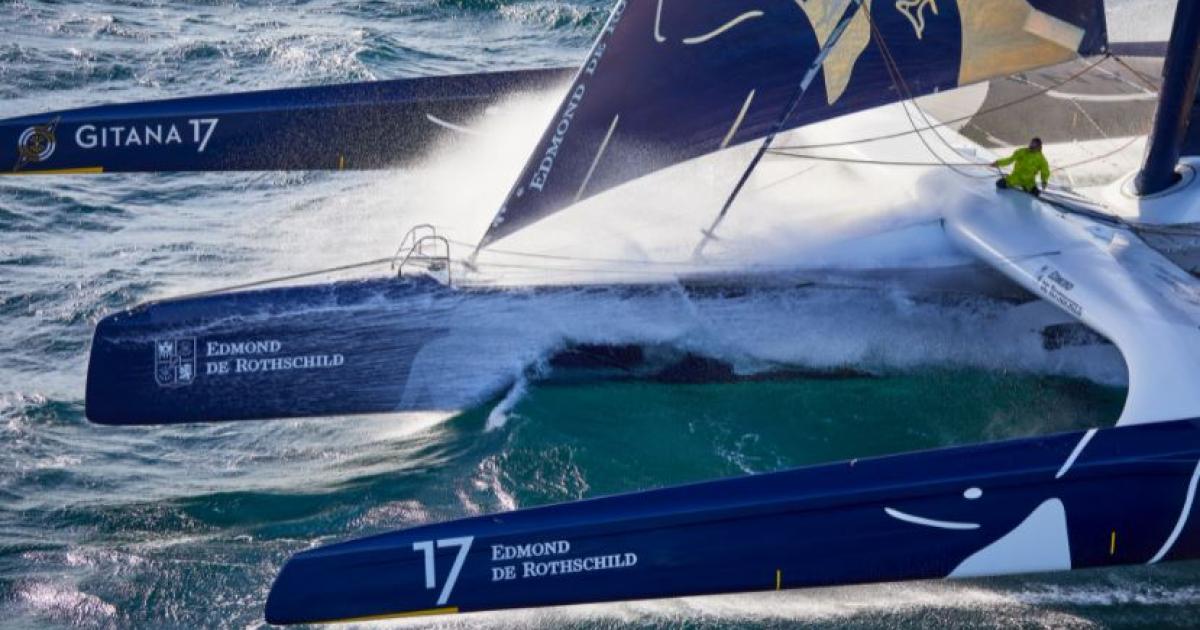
[1088, 499]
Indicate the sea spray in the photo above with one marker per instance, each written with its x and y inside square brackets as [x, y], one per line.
[498, 417]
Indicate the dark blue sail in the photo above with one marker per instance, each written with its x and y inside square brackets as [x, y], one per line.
[671, 80]
[336, 127]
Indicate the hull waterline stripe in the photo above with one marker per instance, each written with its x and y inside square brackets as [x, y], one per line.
[430, 612]
[84, 170]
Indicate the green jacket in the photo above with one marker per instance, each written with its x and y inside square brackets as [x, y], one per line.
[1027, 165]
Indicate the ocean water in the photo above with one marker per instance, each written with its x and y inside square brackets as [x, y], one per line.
[185, 527]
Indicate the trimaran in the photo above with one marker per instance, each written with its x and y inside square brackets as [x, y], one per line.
[668, 81]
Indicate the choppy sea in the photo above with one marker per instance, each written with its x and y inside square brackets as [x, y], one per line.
[185, 527]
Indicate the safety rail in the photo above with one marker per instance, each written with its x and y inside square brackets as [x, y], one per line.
[420, 245]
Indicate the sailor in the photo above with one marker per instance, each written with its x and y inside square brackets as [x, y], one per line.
[1028, 163]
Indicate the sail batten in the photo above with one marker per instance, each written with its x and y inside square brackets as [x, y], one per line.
[672, 80]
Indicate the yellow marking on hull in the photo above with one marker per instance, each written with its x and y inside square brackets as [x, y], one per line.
[778, 579]
[341, 162]
[449, 610]
[85, 170]
[1112, 543]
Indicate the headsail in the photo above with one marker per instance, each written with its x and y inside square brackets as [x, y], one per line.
[672, 80]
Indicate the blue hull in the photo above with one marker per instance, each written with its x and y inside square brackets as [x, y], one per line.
[342, 348]
[336, 127]
[1097, 498]
[372, 346]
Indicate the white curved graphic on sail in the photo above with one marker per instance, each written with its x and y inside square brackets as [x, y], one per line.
[700, 39]
[658, 36]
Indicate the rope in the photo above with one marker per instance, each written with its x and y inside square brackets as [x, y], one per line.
[830, 158]
[902, 87]
[1097, 158]
[827, 158]
[617, 261]
[381, 261]
[276, 280]
[1146, 82]
[982, 112]
[834, 37]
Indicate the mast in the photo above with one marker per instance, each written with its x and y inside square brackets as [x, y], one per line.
[834, 37]
[1177, 98]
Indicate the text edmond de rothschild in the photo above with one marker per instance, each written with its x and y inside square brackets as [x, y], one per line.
[250, 357]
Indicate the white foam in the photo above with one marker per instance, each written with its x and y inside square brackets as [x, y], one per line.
[498, 417]
[65, 603]
[873, 604]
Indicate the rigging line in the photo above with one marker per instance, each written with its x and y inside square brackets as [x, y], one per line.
[1074, 101]
[695, 268]
[1118, 77]
[689, 264]
[785, 179]
[535, 268]
[830, 158]
[834, 37]
[952, 121]
[462, 261]
[274, 280]
[1146, 82]
[924, 115]
[1103, 156]
[509, 252]
[902, 86]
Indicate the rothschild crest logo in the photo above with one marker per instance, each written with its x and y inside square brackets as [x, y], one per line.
[175, 362]
[36, 144]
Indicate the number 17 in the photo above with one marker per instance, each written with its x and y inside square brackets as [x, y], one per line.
[426, 546]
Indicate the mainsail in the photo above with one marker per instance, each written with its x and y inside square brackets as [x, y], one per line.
[671, 80]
